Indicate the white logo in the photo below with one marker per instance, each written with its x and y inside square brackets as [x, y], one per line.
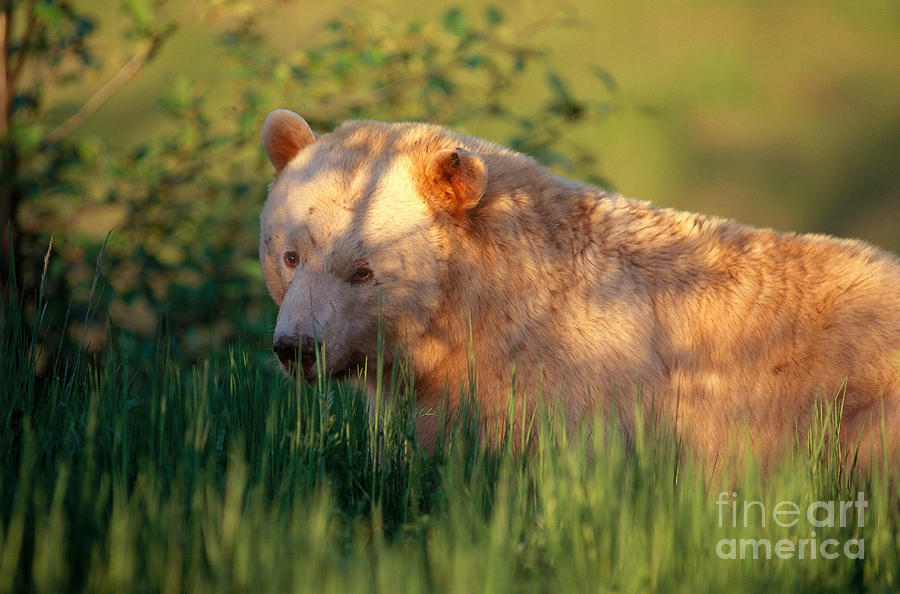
[787, 514]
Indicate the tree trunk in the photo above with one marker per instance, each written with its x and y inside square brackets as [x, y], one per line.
[10, 247]
[10, 193]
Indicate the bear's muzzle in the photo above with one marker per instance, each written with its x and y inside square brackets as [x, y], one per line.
[286, 349]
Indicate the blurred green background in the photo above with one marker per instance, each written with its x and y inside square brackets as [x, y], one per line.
[778, 114]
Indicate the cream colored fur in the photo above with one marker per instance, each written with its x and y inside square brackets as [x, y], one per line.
[720, 327]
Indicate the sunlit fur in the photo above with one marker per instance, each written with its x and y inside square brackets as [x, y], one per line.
[595, 299]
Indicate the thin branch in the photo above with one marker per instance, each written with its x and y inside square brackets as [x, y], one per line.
[115, 84]
[103, 94]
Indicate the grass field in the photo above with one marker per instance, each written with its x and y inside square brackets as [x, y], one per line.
[137, 474]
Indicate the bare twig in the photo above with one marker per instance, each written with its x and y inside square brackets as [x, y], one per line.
[115, 84]
[110, 88]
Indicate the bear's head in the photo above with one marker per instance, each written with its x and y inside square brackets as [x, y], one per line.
[354, 234]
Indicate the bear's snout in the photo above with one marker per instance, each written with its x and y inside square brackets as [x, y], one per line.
[286, 348]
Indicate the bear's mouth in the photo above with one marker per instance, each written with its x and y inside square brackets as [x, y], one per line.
[355, 365]
[341, 374]
[309, 369]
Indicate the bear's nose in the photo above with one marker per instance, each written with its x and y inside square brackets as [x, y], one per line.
[286, 351]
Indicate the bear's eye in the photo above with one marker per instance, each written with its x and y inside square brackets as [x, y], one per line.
[291, 259]
[362, 274]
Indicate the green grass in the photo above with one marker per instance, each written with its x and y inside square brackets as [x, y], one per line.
[122, 474]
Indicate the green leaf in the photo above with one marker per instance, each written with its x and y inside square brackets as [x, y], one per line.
[493, 15]
[564, 104]
[281, 72]
[559, 88]
[475, 61]
[374, 57]
[89, 149]
[455, 22]
[521, 61]
[140, 12]
[440, 83]
[178, 99]
[50, 13]
[606, 78]
[27, 137]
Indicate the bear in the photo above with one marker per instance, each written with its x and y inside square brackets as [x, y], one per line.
[497, 279]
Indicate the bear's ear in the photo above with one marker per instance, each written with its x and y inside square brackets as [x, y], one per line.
[284, 134]
[455, 179]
